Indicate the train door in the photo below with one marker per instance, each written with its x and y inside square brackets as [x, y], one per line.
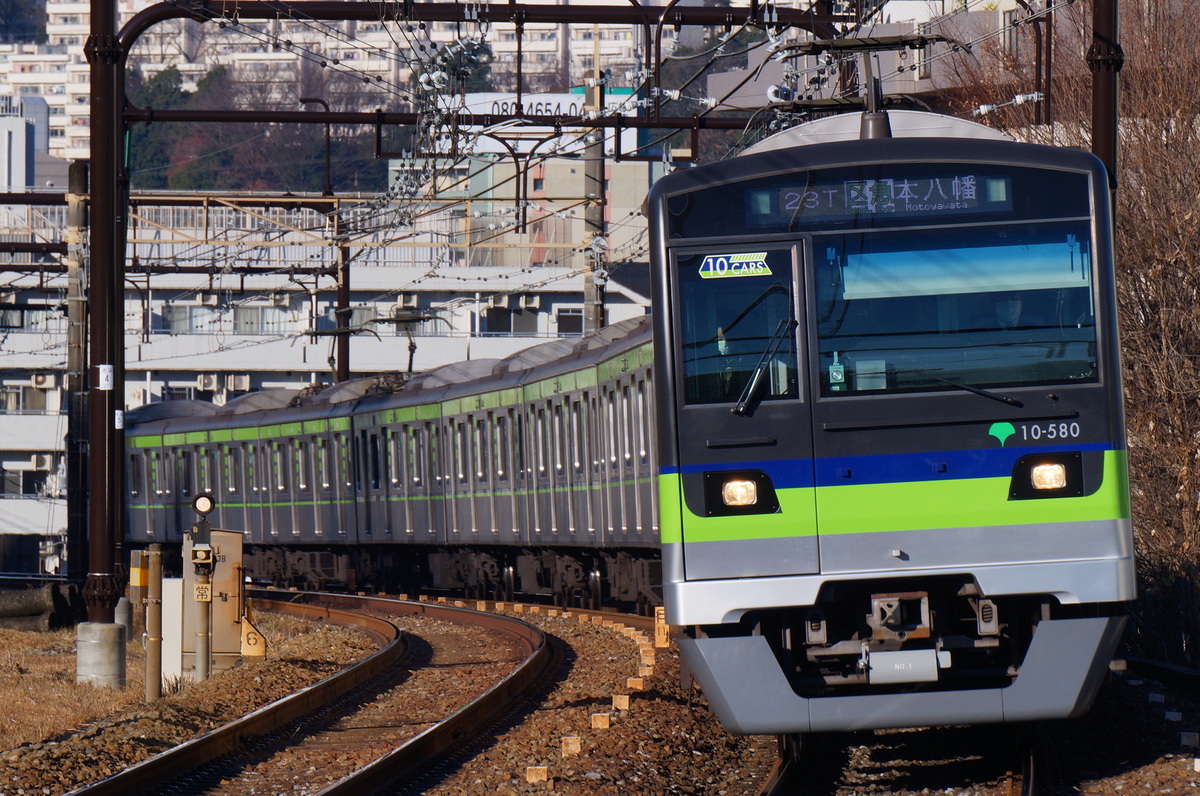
[232, 490]
[484, 475]
[256, 515]
[156, 486]
[744, 438]
[184, 488]
[344, 475]
[279, 477]
[503, 469]
[437, 458]
[304, 487]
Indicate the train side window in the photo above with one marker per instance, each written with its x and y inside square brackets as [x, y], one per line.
[154, 476]
[626, 428]
[395, 457]
[560, 440]
[251, 451]
[303, 468]
[233, 471]
[612, 428]
[431, 461]
[519, 447]
[376, 459]
[578, 445]
[462, 456]
[643, 422]
[208, 471]
[279, 464]
[595, 434]
[737, 329]
[342, 460]
[185, 474]
[415, 455]
[541, 443]
[500, 449]
[482, 449]
[135, 475]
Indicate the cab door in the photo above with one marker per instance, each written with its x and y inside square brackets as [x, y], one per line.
[744, 435]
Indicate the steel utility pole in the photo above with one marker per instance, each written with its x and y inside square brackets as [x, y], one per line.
[101, 642]
[76, 376]
[1105, 59]
[593, 189]
[106, 317]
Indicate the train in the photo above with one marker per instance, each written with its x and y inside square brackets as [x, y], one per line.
[526, 476]
[868, 449]
[893, 479]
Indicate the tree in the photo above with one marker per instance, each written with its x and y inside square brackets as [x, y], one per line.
[151, 145]
[22, 21]
[1158, 268]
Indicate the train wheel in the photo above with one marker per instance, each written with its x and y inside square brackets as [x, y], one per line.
[509, 585]
[595, 592]
[790, 746]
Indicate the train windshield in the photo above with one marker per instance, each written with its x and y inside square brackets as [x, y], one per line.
[990, 306]
[737, 317]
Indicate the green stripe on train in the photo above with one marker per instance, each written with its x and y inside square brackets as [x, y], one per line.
[871, 508]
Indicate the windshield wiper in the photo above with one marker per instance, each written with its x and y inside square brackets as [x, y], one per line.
[781, 332]
[995, 396]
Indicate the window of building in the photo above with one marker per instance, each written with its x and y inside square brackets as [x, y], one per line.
[22, 399]
[570, 321]
[260, 320]
[190, 319]
[503, 321]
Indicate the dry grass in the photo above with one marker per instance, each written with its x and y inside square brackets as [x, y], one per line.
[40, 700]
[38, 690]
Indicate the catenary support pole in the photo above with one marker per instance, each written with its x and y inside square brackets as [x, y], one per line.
[101, 652]
[154, 639]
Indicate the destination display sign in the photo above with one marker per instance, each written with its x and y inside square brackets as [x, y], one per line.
[915, 196]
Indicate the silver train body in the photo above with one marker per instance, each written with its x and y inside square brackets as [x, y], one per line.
[893, 473]
[530, 475]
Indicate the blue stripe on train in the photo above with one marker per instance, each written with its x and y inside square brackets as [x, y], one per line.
[891, 468]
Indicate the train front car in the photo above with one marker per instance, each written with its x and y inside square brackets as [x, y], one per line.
[893, 471]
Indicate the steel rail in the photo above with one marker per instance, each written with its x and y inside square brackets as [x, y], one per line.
[153, 772]
[343, 609]
[420, 752]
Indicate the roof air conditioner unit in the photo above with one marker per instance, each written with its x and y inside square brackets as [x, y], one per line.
[408, 300]
[207, 382]
[531, 301]
[500, 302]
[209, 299]
[237, 382]
[41, 461]
[44, 381]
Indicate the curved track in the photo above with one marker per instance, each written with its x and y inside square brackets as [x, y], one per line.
[1014, 759]
[413, 755]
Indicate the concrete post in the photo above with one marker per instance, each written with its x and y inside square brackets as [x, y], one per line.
[100, 654]
[124, 616]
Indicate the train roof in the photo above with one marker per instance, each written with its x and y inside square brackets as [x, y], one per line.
[904, 124]
[455, 379]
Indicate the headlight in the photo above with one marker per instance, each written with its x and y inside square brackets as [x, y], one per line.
[739, 492]
[1048, 476]
[1037, 476]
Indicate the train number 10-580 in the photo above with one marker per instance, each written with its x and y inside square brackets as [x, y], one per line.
[1036, 431]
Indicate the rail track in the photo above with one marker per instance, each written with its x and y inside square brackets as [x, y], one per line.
[999, 760]
[195, 766]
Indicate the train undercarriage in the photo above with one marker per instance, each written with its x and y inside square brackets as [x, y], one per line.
[569, 577]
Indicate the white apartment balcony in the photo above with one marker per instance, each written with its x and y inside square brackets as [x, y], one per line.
[30, 514]
[32, 432]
